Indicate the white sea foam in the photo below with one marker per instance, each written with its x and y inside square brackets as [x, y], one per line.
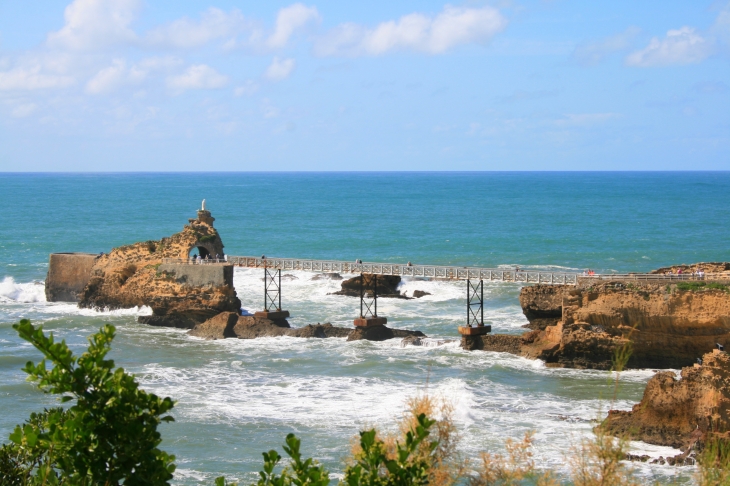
[11, 291]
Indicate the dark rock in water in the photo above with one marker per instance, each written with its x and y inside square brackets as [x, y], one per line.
[503, 343]
[387, 286]
[250, 327]
[181, 321]
[218, 327]
[420, 293]
[380, 333]
[411, 341]
[327, 276]
[326, 330]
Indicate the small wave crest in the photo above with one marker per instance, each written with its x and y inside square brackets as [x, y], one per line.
[12, 291]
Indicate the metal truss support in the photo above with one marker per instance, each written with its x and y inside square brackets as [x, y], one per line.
[475, 303]
[272, 290]
[368, 306]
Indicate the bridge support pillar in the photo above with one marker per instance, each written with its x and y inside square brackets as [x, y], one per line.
[369, 305]
[272, 295]
[474, 311]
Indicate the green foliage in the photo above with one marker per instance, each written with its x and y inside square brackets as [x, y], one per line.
[695, 286]
[374, 468]
[108, 436]
[714, 462]
[207, 238]
[298, 473]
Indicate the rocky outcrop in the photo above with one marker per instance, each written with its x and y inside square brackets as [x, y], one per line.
[131, 276]
[231, 325]
[669, 326]
[543, 304]
[673, 410]
[417, 294]
[502, 343]
[380, 333]
[387, 286]
[217, 327]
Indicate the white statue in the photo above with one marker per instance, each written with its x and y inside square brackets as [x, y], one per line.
[203, 208]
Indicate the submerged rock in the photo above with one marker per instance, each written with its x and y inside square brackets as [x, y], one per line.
[380, 333]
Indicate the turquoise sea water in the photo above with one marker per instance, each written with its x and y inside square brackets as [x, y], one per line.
[238, 398]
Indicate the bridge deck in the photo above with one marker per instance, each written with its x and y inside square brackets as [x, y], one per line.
[403, 270]
[446, 272]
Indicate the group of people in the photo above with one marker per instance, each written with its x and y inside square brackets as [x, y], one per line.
[698, 274]
[199, 260]
[588, 272]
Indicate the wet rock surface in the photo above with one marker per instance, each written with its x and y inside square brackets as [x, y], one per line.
[217, 327]
[502, 343]
[420, 293]
[387, 286]
[380, 333]
[231, 325]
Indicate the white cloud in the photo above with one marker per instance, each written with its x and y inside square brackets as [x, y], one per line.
[289, 20]
[31, 78]
[680, 46]
[591, 53]
[247, 89]
[434, 35]
[95, 24]
[199, 76]
[117, 75]
[185, 33]
[108, 78]
[22, 111]
[280, 69]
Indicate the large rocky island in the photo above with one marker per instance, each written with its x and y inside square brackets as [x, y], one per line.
[200, 297]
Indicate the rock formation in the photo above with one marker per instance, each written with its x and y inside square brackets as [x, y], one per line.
[231, 325]
[134, 275]
[673, 410]
[387, 286]
[669, 325]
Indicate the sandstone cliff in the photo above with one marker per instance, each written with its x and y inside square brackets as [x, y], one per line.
[673, 410]
[668, 325]
[130, 276]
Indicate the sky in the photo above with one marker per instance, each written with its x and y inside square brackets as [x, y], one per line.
[223, 85]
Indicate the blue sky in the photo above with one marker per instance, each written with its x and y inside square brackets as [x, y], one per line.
[135, 85]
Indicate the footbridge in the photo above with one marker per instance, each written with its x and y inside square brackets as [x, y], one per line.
[474, 277]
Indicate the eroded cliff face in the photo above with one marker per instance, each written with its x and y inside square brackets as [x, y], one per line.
[130, 276]
[672, 409]
[668, 327]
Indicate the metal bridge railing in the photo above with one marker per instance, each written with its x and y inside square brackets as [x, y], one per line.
[438, 271]
[403, 270]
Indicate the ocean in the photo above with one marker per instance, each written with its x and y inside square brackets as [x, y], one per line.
[237, 398]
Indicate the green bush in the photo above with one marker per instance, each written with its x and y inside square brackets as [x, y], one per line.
[107, 436]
